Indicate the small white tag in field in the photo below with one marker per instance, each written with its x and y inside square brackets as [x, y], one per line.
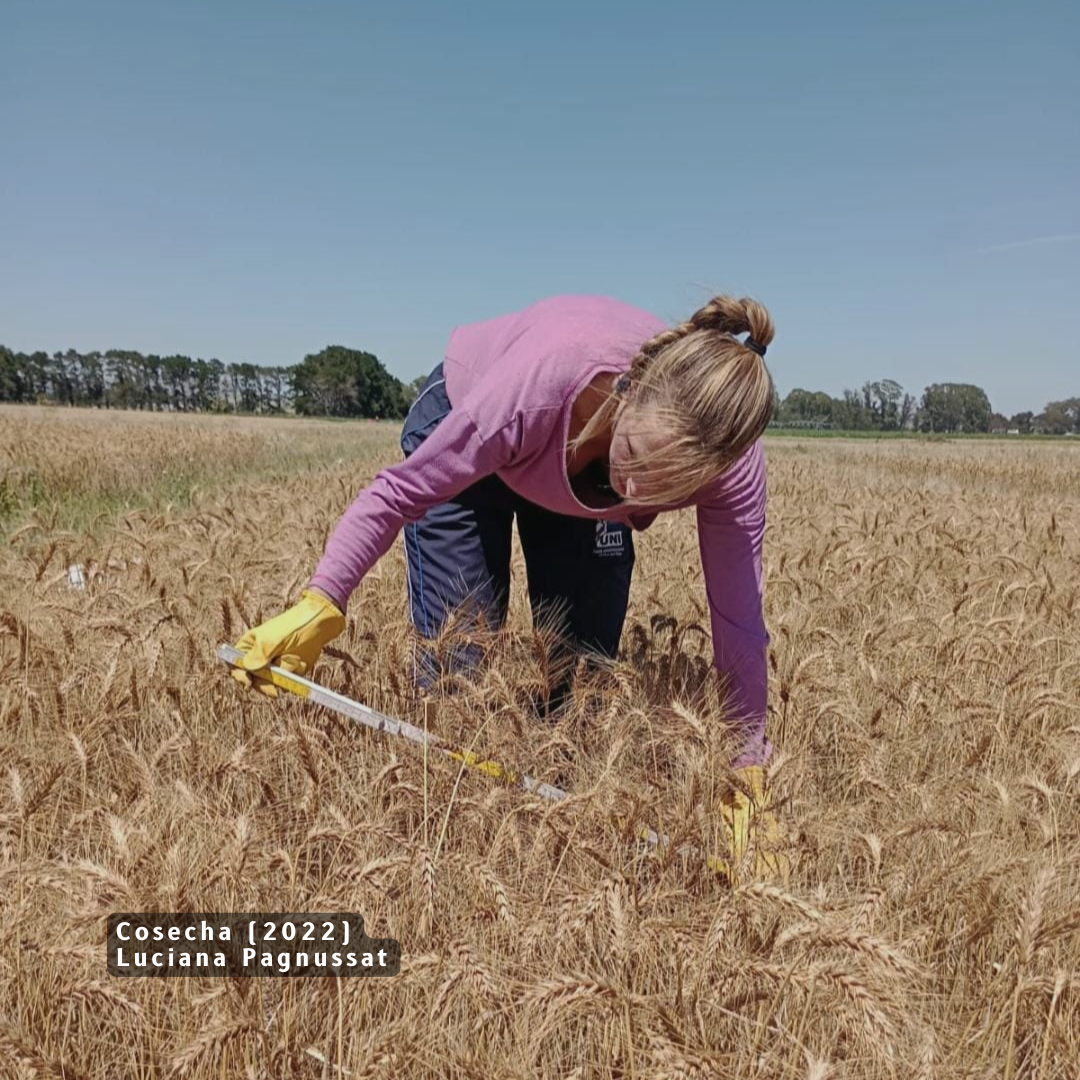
[319, 1056]
[76, 576]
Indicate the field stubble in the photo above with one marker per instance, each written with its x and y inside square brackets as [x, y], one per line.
[922, 601]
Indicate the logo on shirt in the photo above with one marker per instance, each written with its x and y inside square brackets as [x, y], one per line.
[609, 539]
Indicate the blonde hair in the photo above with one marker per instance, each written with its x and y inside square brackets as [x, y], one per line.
[710, 390]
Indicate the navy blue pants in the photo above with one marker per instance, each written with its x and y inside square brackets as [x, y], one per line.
[458, 555]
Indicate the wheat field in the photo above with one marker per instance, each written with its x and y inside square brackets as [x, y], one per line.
[923, 601]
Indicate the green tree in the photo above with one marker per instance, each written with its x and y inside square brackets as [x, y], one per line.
[14, 376]
[807, 408]
[206, 391]
[1061, 417]
[93, 379]
[176, 373]
[882, 400]
[245, 380]
[123, 389]
[954, 407]
[279, 389]
[37, 374]
[851, 414]
[346, 382]
[1054, 419]
[907, 412]
[412, 390]
[64, 377]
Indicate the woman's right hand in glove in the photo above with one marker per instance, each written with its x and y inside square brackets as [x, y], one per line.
[292, 641]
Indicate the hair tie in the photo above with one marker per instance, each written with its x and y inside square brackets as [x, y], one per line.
[757, 347]
[622, 385]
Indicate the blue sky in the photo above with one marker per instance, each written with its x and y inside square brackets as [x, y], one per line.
[897, 182]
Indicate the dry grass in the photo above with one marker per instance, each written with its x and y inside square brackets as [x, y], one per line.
[923, 603]
[80, 468]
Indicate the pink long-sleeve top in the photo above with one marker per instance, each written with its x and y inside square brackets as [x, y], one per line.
[511, 382]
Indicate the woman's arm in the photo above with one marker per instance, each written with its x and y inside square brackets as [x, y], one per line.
[454, 456]
[731, 526]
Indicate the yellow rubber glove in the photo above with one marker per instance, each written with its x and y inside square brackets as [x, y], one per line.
[753, 835]
[291, 641]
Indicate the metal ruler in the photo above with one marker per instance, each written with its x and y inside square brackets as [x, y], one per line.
[377, 721]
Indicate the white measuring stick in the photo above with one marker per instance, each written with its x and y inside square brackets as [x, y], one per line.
[377, 721]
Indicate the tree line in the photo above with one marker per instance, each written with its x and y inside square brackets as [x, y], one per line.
[350, 382]
[884, 405]
[334, 382]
